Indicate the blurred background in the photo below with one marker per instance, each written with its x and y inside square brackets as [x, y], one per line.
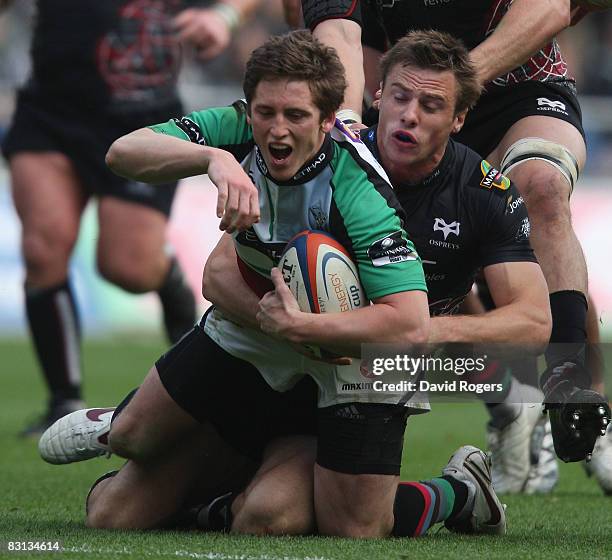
[108, 312]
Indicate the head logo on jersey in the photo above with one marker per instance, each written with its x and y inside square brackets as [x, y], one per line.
[391, 249]
[491, 177]
[446, 229]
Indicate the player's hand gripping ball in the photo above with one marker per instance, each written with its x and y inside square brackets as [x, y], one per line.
[322, 277]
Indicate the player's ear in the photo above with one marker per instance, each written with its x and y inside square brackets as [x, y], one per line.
[248, 114]
[328, 122]
[459, 121]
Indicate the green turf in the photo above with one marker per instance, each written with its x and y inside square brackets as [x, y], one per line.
[44, 502]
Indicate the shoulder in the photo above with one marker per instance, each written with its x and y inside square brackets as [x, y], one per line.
[352, 158]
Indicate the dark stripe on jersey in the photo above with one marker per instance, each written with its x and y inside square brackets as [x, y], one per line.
[336, 222]
[239, 151]
[382, 186]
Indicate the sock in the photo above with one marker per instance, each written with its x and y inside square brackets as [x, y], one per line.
[56, 334]
[178, 303]
[217, 515]
[568, 337]
[504, 412]
[419, 505]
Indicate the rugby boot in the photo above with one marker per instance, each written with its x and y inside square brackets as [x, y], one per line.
[600, 465]
[483, 513]
[544, 469]
[509, 447]
[78, 436]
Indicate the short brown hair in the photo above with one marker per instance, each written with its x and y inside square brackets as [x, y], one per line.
[440, 51]
[298, 56]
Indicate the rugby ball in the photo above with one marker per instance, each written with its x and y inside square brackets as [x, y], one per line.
[321, 274]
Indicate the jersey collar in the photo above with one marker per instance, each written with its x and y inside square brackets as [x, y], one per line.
[308, 171]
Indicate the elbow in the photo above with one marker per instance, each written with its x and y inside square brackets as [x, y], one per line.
[416, 334]
[116, 157]
[207, 280]
[112, 156]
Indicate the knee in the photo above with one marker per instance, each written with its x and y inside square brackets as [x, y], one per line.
[273, 517]
[546, 195]
[356, 527]
[104, 510]
[104, 516]
[135, 275]
[113, 514]
[130, 440]
[44, 251]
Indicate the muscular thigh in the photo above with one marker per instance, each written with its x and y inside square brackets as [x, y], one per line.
[358, 464]
[547, 128]
[47, 193]
[132, 239]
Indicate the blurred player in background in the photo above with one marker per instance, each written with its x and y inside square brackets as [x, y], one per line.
[528, 125]
[99, 70]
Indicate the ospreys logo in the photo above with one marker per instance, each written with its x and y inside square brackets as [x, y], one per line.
[390, 249]
[191, 129]
[492, 177]
[446, 229]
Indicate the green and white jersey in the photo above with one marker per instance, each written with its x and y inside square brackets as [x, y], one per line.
[342, 190]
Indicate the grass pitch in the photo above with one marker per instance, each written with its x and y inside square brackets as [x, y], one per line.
[41, 502]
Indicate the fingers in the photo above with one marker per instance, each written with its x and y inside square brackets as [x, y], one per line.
[228, 221]
[237, 206]
[221, 199]
[293, 13]
[277, 279]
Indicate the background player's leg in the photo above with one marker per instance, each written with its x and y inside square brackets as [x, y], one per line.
[132, 253]
[49, 201]
[546, 194]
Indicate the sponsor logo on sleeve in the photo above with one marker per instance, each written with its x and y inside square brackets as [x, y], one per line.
[512, 205]
[524, 230]
[391, 249]
[491, 177]
[545, 104]
[191, 129]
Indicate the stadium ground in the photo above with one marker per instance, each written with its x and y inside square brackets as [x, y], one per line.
[40, 502]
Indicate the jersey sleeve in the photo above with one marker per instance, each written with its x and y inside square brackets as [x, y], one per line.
[315, 11]
[219, 128]
[368, 221]
[501, 210]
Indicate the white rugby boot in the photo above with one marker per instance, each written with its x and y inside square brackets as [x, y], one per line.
[600, 465]
[483, 513]
[78, 436]
[509, 447]
[544, 470]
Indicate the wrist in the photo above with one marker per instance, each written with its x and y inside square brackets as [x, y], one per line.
[228, 13]
[348, 116]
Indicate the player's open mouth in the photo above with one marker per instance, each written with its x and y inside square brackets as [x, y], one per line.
[279, 152]
[404, 137]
